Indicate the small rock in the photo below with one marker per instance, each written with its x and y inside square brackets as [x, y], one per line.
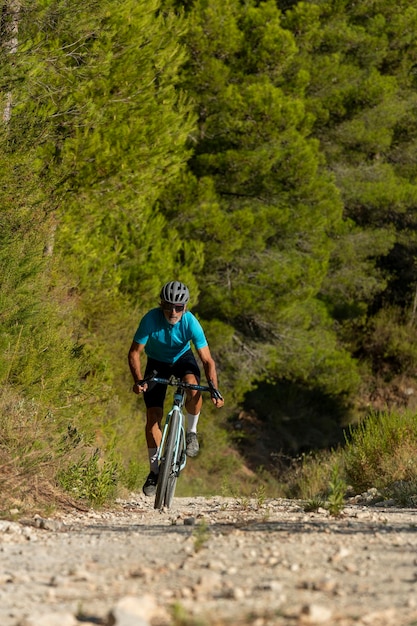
[186, 592]
[270, 585]
[377, 618]
[315, 613]
[47, 524]
[208, 581]
[6, 577]
[10, 527]
[134, 611]
[340, 554]
[50, 619]
[327, 584]
[322, 511]
[237, 593]
[58, 581]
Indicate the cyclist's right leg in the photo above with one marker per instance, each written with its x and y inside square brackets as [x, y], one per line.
[153, 426]
[153, 439]
[154, 401]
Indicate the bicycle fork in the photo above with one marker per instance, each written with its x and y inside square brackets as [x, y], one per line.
[180, 458]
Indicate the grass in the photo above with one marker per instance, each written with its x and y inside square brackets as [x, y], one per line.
[379, 452]
[201, 535]
[44, 464]
[337, 492]
[332, 498]
[90, 479]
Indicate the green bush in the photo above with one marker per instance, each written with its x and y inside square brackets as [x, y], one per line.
[381, 450]
[90, 479]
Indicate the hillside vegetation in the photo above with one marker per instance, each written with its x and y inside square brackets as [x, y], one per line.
[261, 152]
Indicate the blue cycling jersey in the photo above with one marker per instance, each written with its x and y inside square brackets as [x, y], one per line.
[168, 342]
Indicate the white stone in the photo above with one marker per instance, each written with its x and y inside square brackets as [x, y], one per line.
[133, 611]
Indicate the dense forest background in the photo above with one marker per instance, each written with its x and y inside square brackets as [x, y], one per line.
[264, 153]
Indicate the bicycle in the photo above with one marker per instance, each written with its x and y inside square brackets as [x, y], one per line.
[172, 456]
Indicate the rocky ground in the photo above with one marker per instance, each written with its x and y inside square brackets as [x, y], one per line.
[212, 561]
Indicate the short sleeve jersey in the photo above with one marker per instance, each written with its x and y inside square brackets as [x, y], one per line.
[168, 342]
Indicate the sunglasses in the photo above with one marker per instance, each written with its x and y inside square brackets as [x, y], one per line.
[178, 308]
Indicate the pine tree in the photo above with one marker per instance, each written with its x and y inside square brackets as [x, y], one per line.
[358, 60]
[100, 99]
[259, 197]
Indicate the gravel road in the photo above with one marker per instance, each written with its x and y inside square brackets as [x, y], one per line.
[211, 561]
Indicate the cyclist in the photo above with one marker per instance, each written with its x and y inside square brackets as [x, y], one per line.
[165, 334]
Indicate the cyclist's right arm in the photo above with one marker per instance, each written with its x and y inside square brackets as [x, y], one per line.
[134, 355]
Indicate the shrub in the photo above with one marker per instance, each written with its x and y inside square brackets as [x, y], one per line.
[381, 450]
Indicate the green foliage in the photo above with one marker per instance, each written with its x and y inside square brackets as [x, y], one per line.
[390, 343]
[381, 450]
[134, 475]
[181, 617]
[314, 504]
[308, 478]
[201, 535]
[98, 129]
[360, 89]
[378, 453]
[320, 481]
[337, 492]
[88, 479]
[41, 456]
[215, 460]
[353, 279]
[22, 428]
[404, 493]
[117, 126]
[256, 192]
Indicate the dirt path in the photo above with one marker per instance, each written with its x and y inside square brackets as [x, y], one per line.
[217, 560]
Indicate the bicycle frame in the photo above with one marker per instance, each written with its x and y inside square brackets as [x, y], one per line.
[179, 399]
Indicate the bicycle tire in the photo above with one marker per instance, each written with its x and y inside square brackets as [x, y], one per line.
[167, 476]
[172, 482]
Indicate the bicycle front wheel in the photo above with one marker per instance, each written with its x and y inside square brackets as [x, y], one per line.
[172, 478]
[168, 470]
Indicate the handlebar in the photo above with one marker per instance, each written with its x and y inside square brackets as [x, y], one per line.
[177, 382]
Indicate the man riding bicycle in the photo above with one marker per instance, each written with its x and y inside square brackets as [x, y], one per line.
[165, 334]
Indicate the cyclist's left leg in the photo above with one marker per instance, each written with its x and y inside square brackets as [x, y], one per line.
[187, 369]
[193, 405]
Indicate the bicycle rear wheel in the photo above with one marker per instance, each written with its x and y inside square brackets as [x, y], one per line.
[168, 472]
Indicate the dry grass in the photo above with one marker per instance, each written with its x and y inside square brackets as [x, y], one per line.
[27, 490]
[29, 459]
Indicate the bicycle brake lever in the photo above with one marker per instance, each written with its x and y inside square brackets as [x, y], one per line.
[215, 393]
[151, 383]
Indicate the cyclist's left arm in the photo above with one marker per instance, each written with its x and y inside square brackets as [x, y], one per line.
[210, 371]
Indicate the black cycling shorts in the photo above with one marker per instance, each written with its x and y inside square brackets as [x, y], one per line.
[186, 364]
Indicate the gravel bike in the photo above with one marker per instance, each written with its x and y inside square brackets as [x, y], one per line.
[172, 456]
